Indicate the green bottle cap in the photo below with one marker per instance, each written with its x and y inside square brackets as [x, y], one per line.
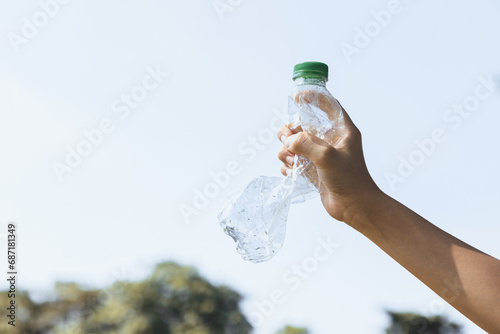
[311, 69]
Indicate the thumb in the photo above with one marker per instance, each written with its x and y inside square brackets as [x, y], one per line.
[310, 146]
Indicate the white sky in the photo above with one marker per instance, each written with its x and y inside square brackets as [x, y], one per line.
[117, 214]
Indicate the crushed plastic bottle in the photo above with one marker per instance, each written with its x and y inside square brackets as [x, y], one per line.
[256, 217]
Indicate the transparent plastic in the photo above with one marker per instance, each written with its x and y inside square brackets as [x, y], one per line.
[256, 217]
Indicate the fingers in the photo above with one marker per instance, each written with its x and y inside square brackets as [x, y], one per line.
[287, 130]
[283, 133]
[310, 146]
[285, 170]
[318, 151]
[286, 157]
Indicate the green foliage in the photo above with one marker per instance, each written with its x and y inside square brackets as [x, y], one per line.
[292, 330]
[173, 300]
[411, 323]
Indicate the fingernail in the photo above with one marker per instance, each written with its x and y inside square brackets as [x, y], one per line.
[289, 160]
[288, 172]
[283, 138]
[290, 140]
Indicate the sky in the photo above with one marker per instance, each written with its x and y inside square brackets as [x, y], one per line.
[164, 96]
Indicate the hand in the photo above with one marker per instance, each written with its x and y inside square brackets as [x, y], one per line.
[447, 265]
[346, 186]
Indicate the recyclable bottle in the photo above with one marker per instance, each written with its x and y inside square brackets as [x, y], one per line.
[320, 113]
[256, 217]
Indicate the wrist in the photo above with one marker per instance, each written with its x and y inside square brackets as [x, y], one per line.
[362, 214]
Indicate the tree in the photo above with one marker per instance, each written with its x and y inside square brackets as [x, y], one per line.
[292, 330]
[411, 323]
[173, 300]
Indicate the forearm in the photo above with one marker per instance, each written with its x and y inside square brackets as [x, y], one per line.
[462, 275]
[465, 277]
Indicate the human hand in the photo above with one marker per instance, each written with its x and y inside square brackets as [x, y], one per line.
[347, 188]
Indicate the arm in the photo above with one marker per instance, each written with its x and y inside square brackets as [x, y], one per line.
[465, 277]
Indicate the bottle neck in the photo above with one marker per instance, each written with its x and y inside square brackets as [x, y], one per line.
[310, 81]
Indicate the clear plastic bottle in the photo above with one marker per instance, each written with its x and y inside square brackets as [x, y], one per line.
[256, 217]
[320, 113]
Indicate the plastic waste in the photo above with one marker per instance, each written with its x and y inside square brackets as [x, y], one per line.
[256, 217]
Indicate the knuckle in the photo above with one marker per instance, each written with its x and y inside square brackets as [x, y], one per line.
[302, 137]
[282, 153]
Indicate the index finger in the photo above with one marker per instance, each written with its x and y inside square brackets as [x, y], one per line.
[286, 131]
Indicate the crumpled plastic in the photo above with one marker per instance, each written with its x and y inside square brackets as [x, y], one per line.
[256, 217]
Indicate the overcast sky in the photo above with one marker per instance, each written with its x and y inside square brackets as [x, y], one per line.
[115, 115]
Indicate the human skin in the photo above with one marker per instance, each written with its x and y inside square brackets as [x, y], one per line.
[465, 277]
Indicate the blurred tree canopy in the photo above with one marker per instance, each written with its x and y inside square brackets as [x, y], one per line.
[292, 330]
[411, 323]
[173, 299]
